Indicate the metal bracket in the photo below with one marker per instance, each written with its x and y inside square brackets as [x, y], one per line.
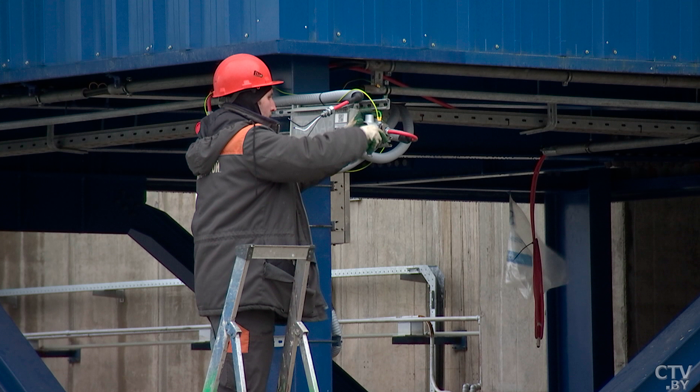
[377, 78]
[53, 146]
[551, 121]
[340, 208]
[119, 294]
[117, 88]
[569, 76]
[72, 355]
[31, 91]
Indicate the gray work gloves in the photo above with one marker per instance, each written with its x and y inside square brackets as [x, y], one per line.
[375, 137]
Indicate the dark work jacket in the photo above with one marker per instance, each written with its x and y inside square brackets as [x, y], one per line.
[252, 196]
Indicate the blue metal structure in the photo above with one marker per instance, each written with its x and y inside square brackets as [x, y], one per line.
[21, 369]
[664, 363]
[83, 57]
[51, 39]
[579, 315]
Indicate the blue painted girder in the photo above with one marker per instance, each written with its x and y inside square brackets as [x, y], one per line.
[50, 39]
[669, 354]
[21, 368]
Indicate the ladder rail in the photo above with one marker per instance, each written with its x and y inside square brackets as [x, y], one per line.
[291, 339]
[296, 332]
[218, 353]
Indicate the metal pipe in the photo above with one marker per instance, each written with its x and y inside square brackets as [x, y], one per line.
[471, 157]
[470, 177]
[407, 319]
[119, 344]
[53, 97]
[165, 107]
[506, 97]
[148, 97]
[167, 84]
[591, 148]
[561, 76]
[114, 332]
[392, 335]
[127, 88]
[317, 98]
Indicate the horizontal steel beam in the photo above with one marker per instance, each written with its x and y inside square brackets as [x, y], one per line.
[139, 284]
[115, 332]
[112, 91]
[561, 76]
[143, 284]
[590, 148]
[383, 320]
[565, 123]
[91, 140]
[73, 118]
[530, 98]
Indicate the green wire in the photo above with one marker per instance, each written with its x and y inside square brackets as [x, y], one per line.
[283, 92]
[376, 110]
[365, 167]
[205, 103]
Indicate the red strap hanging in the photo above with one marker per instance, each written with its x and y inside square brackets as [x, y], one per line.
[538, 288]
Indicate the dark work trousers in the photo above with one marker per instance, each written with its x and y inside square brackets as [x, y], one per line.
[257, 362]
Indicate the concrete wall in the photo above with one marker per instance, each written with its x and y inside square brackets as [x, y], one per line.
[38, 259]
[466, 240]
[662, 272]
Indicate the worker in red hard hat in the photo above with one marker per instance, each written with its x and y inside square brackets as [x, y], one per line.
[249, 181]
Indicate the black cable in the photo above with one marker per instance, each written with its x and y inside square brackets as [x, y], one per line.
[305, 125]
[521, 250]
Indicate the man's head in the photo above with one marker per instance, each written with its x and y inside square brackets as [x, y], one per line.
[247, 82]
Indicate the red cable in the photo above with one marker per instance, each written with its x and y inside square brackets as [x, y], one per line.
[411, 136]
[431, 99]
[538, 288]
[340, 105]
[400, 84]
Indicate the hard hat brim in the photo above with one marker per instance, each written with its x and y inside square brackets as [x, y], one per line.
[252, 86]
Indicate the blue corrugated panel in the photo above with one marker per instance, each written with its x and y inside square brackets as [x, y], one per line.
[47, 39]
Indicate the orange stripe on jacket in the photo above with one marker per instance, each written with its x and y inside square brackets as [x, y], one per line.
[235, 145]
[245, 341]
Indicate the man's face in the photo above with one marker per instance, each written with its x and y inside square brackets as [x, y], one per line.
[267, 105]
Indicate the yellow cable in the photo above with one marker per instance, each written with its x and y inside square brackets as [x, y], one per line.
[205, 103]
[370, 164]
[283, 92]
[376, 111]
[357, 170]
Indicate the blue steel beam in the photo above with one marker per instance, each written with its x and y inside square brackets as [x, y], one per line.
[306, 75]
[40, 39]
[167, 241]
[579, 315]
[21, 368]
[664, 362]
[332, 50]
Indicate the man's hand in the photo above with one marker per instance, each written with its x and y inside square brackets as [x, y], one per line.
[375, 137]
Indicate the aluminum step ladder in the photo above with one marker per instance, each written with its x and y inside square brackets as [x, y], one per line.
[296, 334]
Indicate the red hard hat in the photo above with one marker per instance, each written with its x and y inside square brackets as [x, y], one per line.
[241, 72]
